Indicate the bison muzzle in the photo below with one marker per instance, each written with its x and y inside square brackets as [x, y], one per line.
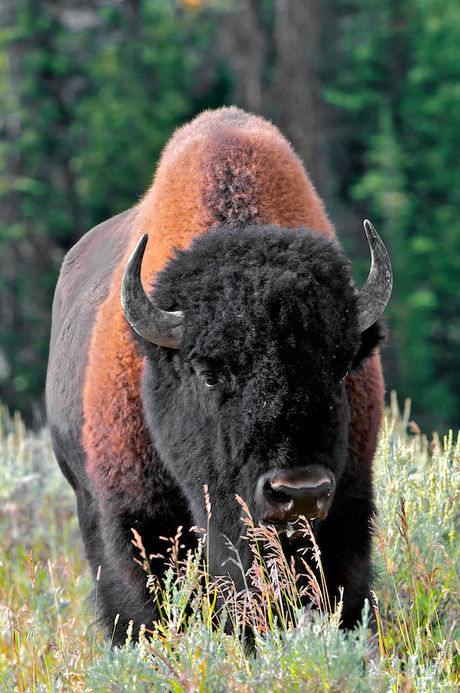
[287, 494]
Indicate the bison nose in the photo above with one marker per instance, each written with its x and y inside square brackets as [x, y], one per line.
[285, 494]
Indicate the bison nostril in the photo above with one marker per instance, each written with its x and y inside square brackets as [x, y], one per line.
[278, 504]
[325, 495]
[274, 495]
[323, 503]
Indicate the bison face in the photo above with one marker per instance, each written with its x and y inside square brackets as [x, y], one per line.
[252, 400]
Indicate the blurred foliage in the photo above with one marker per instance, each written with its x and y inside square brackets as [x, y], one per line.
[89, 97]
[398, 93]
[90, 92]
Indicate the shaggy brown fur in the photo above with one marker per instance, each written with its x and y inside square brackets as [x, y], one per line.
[228, 191]
[226, 166]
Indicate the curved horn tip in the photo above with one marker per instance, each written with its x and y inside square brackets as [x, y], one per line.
[130, 290]
[150, 322]
[369, 228]
[376, 292]
[140, 247]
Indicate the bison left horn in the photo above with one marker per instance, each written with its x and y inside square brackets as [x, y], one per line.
[149, 321]
[376, 292]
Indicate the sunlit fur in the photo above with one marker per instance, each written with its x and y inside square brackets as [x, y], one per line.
[235, 176]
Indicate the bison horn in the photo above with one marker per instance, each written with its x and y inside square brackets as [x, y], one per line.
[150, 322]
[376, 292]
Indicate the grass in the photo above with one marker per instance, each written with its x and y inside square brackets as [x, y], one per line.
[48, 641]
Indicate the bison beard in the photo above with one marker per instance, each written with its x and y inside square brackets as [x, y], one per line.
[265, 385]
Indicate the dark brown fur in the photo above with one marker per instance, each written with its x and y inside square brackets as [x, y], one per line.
[190, 194]
[224, 168]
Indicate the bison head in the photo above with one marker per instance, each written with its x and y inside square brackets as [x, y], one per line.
[244, 383]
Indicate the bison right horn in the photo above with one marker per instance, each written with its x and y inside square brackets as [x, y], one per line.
[376, 292]
[150, 322]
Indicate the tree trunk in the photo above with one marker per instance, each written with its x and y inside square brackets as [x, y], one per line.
[301, 115]
[275, 66]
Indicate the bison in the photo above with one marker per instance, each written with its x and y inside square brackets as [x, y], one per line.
[233, 350]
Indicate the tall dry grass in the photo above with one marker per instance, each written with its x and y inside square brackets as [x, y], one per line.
[48, 640]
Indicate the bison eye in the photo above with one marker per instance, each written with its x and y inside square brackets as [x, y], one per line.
[207, 373]
[211, 380]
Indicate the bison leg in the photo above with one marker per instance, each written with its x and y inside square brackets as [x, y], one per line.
[345, 537]
[345, 543]
[121, 594]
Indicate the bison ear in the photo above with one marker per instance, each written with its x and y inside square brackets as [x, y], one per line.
[150, 322]
[370, 340]
[376, 292]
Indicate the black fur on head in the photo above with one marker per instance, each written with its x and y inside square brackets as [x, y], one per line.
[270, 331]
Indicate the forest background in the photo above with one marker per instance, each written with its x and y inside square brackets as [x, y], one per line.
[368, 91]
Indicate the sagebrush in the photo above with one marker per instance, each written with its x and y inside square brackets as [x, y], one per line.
[48, 634]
